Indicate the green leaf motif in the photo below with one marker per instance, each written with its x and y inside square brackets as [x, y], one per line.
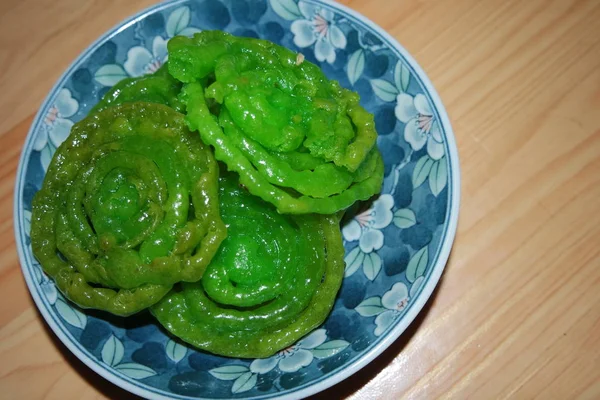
[244, 383]
[229, 372]
[175, 351]
[384, 90]
[417, 265]
[50, 292]
[110, 74]
[135, 371]
[37, 271]
[356, 65]
[112, 351]
[46, 156]
[286, 9]
[71, 315]
[177, 21]
[372, 265]
[421, 171]
[401, 76]
[370, 307]
[353, 261]
[438, 176]
[330, 348]
[404, 218]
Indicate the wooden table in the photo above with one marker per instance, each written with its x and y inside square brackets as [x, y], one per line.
[517, 313]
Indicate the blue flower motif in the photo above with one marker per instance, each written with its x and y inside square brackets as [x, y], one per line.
[318, 26]
[366, 228]
[395, 301]
[152, 355]
[389, 264]
[56, 126]
[95, 332]
[292, 358]
[421, 125]
[141, 61]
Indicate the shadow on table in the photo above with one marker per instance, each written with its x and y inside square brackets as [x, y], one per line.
[358, 380]
[341, 390]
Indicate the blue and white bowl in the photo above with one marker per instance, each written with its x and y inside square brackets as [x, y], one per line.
[395, 251]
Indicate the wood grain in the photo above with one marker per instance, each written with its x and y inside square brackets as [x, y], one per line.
[517, 313]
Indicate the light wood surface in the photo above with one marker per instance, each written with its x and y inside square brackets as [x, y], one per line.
[517, 313]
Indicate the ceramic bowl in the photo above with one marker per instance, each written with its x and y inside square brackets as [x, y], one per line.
[395, 251]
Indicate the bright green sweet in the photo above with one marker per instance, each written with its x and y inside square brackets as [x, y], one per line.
[160, 88]
[274, 279]
[128, 208]
[297, 139]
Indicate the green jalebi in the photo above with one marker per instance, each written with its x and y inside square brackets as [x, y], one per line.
[159, 87]
[132, 213]
[274, 279]
[297, 139]
[128, 208]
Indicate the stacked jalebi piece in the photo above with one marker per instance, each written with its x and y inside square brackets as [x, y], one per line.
[240, 259]
[128, 208]
[297, 139]
[274, 279]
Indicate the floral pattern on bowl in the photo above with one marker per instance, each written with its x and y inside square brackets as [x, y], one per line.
[395, 250]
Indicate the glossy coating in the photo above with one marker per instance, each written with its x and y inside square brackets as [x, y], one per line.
[273, 280]
[516, 314]
[159, 87]
[282, 125]
[128, 208]
[155, 365]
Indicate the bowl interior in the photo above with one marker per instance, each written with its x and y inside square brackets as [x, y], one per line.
[395, 250]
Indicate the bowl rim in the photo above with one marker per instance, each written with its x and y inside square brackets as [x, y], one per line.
[437, 268]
